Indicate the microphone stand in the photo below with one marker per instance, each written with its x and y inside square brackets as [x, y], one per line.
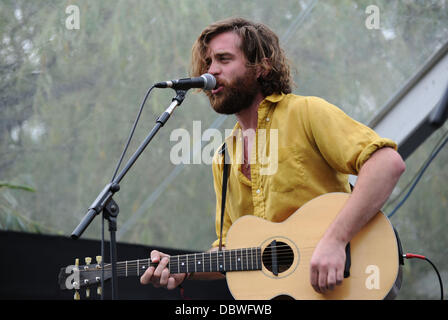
[106, 204]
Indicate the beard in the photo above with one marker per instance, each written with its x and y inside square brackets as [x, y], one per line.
[236, 95]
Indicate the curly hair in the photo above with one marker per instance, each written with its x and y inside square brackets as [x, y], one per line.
[260, 46]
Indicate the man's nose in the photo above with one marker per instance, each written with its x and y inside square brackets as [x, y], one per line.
[214, 69]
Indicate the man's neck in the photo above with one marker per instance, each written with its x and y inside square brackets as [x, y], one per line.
[248, 118]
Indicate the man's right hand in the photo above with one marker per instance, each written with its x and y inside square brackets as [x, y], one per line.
[160, 276]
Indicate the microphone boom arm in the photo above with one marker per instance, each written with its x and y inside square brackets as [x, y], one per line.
[110, 189]
[104, 202]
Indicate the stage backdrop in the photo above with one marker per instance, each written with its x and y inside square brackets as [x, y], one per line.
[30, 265]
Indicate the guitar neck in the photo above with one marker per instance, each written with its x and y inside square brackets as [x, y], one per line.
[245, 259]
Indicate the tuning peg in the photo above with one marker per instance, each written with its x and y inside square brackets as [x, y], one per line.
[98, 290]
[88, 260]
[98, 261]
[77, 296]
[87, 293]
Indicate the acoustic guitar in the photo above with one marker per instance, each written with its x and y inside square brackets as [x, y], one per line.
[267, 260]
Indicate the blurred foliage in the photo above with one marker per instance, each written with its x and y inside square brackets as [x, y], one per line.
[11, 217]
[68, 99]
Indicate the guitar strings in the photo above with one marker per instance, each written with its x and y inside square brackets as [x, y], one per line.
[139, 272]
[246, 257]
[214, 257]
[133, 269]
[208, 258]
[205, 258]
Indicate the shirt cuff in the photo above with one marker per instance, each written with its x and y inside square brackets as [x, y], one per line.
[371, 148]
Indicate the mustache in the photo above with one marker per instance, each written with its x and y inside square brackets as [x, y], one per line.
[221, 83]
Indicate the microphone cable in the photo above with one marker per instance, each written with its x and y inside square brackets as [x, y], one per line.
[113, 178]
[418, 256]
[419, 174]
[438, 147]
[132, 132]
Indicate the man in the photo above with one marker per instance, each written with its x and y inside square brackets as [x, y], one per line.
[317, 146]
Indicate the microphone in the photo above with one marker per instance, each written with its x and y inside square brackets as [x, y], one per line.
[206, 82]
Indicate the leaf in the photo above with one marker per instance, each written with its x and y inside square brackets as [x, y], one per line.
[15, 186]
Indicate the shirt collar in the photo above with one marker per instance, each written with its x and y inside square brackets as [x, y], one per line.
[275, 97]
[262, 110]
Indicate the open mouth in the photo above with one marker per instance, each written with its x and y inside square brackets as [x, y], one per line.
[217, 90]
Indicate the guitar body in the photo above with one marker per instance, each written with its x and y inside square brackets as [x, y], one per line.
[373, 251]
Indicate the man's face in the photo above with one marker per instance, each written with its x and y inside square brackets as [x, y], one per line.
[237, 84]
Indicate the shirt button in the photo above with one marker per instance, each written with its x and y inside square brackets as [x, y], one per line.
[258, 190]
[267, 119]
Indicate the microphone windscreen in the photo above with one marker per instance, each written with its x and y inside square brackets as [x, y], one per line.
[210, 81]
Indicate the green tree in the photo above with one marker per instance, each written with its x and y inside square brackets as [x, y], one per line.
[68, 99]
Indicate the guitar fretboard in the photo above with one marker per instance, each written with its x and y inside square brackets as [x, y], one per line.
[244, 259]
[219, 261]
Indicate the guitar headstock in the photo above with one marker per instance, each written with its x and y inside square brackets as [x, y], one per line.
[75, 277]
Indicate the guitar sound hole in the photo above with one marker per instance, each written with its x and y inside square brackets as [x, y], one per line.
[283, 255]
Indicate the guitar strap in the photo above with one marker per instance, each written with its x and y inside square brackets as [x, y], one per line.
[225, 174]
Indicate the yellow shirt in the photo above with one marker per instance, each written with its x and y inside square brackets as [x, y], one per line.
[303, 147]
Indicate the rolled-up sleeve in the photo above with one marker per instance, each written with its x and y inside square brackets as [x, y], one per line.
[345, 143]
